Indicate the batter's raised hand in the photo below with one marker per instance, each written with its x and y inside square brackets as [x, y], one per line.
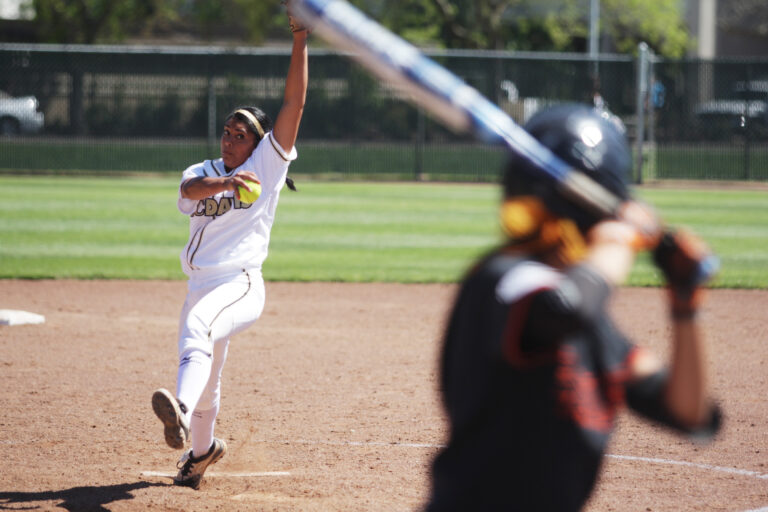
[614, 242]
[687, 264]
[645, 222]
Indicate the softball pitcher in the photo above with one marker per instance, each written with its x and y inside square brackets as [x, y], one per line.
[228, 242]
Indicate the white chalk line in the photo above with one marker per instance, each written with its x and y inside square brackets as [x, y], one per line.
[669, 462]
[393, 444]
[733, 471]
[227, 474]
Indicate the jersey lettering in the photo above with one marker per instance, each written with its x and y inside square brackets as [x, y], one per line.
[212, 207]
[225, 204]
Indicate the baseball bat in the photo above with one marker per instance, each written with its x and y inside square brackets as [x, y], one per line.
[453, 102]
[444, 95]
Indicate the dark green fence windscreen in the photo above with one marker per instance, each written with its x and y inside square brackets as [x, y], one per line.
[712, 120]
[160, 109]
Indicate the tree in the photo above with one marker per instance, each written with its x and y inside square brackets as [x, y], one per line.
[262, 19]
[534, 25]
[90, 21]
[415, 20]
[110, 21]
[244, 21]
[660, 24]
[523, 25]
[473, 23]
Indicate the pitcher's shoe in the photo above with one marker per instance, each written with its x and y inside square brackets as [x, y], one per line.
[173, 415]
[191, 469]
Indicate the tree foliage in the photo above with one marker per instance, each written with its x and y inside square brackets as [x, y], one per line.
[262, 19]
[660, 24]
[90, 21]
[243, 21]
[530, 25]
[534, 25]
[110, 21]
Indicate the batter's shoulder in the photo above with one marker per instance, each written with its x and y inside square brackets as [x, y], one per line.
[509, 276]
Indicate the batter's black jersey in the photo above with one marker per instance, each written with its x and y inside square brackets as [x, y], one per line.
[533, 372]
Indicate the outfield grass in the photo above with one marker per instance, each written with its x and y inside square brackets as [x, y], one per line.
[88, 227]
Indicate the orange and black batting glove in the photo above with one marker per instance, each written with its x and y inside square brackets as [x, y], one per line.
[687, 264]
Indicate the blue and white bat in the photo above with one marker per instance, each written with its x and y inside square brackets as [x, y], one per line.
[443, 95]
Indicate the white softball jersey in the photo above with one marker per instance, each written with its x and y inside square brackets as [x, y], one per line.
[227, 236]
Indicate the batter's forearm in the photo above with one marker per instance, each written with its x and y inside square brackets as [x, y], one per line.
[686, 391]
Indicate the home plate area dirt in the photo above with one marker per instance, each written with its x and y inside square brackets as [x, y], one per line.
[329, 402]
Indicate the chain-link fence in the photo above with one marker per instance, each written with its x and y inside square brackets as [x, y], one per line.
[711, 119]
[161, 109]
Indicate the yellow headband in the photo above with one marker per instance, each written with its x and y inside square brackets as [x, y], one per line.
[252, 119]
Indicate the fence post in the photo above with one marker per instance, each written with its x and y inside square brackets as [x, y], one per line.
[642, 96]
[650, 103]
[211, 113]
[419, 146]
[747, 121]
[594, 34]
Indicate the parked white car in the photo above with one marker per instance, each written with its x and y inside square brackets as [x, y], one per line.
[19, 115]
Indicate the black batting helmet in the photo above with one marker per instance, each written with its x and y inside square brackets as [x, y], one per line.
[584, 139]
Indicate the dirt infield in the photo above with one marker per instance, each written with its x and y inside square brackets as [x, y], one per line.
[329, 402]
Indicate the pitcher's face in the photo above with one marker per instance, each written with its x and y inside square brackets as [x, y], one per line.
[237, 143]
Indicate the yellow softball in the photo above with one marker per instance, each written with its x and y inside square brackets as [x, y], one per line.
[247, 196]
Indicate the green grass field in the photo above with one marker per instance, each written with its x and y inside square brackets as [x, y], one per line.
[121, 228]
